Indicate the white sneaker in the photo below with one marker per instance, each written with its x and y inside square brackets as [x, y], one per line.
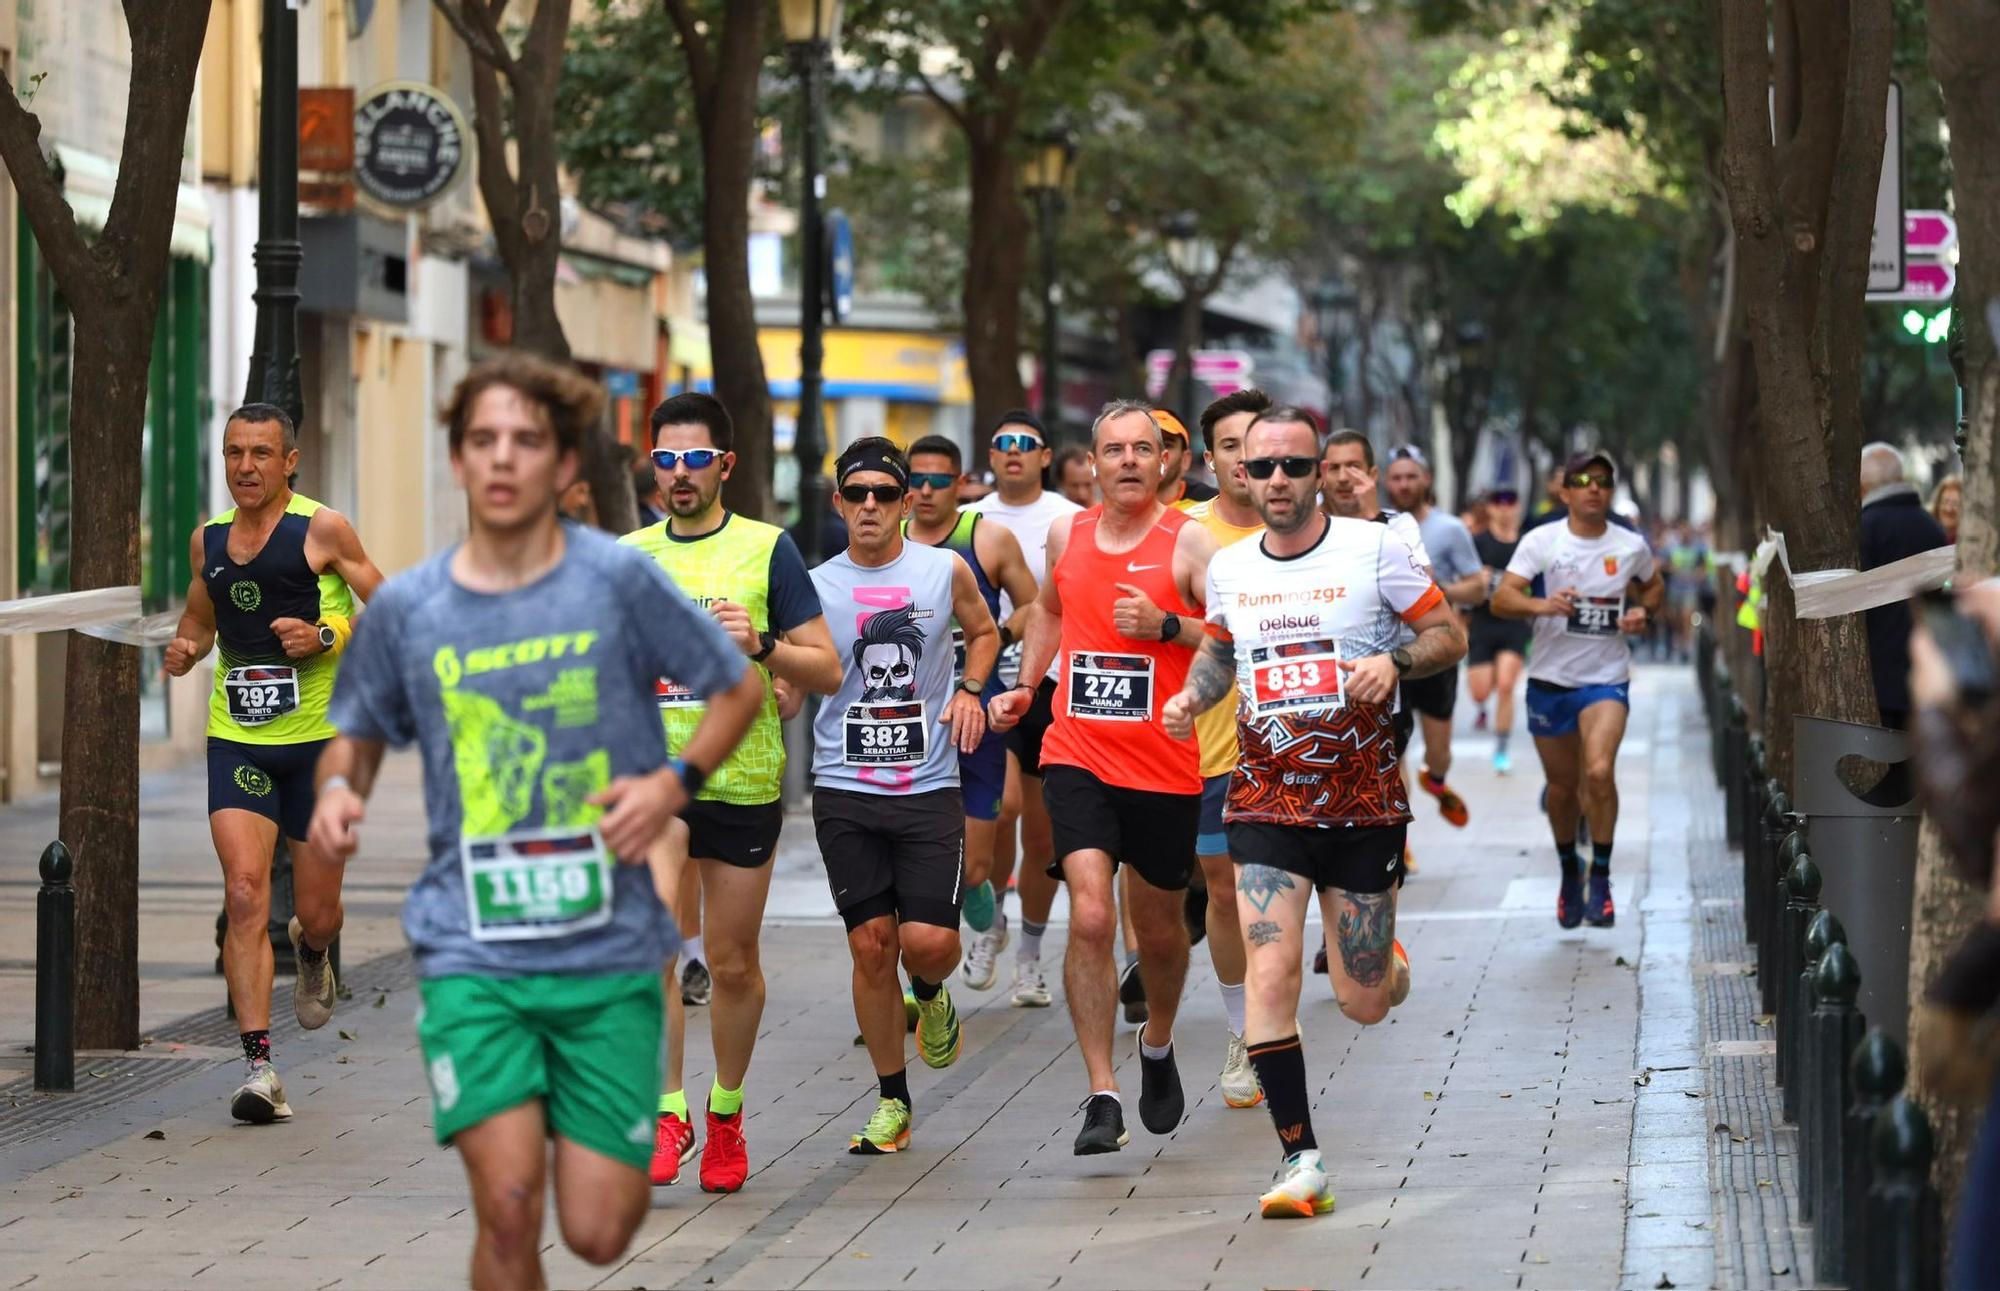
[982, 958]
[261, 1099]
[313, 987]
[1030, 990]
[1239, 1079]
[1302, 1190]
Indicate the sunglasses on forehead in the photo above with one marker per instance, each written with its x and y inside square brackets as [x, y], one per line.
[697, 459]
[883, 493]
[1261, 468]
[1016, 441]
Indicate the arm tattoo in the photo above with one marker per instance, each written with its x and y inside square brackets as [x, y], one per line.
[1213, 673]
[1367, 926]
[1264, 932]
[1260, 884]
[1436, 648]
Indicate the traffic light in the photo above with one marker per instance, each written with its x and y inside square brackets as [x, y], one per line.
[1919, 328]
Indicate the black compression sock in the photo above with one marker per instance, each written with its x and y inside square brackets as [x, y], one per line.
[256, 1045]
[1572, 865]
[897, 1085]
[1281, 1070]
[922, 989]
[1600, 858]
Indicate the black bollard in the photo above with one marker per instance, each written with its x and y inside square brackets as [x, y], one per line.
[1802, 885]
[1832, 1032]
[1717, 729]
[55, 972]
[1904, 1230]
[1821, 931]
[1772, 949]
[1875, 1073]
[1735, 771]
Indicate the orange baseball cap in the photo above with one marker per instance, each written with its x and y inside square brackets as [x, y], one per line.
[1171, 425]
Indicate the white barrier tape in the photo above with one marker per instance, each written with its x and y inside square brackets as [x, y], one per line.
[108, 613]
[1829, 593]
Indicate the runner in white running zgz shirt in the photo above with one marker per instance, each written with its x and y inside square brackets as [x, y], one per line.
[1602, 586]
[1025, 509]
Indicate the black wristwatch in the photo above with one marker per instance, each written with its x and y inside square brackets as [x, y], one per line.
[1403, 661]
[692, 777]
[766, 643]
[328, 639]
[1170, 627]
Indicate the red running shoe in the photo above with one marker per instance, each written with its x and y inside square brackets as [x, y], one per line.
[1450, 805]
[673, 1147]
[725, 1162]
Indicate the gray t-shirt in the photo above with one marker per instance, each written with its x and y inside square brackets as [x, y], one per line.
[1453, 553]
[524, 704]
[891, 625]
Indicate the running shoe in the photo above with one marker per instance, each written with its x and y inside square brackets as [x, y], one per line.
[673, 1147]
[1479, 722]
[313, 986]
[1569, 900]
[1450, 805]
[888, 1130]
[910, 1013]
[1103, 1126]
[1161, 1102]
[1597, 909]
[1031, 989]
[1132, 992]
[982, 959]
[1194, 911]
[1399, 988]
[938, 1036]
[1302, 1190]
[695, 984]
[725, 1160]
[261, 1098]
[979, 907]
[1319, 960]
[1503, 762]
[1238, 1081]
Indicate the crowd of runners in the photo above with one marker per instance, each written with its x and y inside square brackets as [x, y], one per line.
[1187, 705]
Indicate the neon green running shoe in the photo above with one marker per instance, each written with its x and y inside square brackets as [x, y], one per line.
[938, 1036]
[888, 1130]
[911, 1011]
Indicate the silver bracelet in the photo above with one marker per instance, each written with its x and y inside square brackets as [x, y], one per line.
[333, 782]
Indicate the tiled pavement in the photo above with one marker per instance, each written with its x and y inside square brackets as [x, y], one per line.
[1483, 1138]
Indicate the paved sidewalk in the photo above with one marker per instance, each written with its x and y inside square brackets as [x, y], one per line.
[1484, 1137]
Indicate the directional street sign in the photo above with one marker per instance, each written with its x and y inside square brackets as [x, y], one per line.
[1923, 280]
[1929, 233]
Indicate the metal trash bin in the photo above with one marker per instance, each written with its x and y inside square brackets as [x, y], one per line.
[1866, 851]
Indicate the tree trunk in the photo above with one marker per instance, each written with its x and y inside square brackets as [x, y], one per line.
[1803, 213]
[1965, 57]
[996, 267]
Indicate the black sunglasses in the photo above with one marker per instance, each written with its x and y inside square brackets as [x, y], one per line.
[697, 459]
[883, 493]
[1261, 468]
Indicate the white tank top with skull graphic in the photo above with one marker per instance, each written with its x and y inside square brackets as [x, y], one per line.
[892, 627]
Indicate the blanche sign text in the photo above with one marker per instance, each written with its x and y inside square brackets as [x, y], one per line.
[409, 144]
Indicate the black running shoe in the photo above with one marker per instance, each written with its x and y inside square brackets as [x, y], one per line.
[695, 984]
[1103, 1126]
[1598, 911]
[1160, 1099]
[1132, 992]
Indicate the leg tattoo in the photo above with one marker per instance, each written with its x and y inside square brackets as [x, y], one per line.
[1260, 884]
[1367, 926]
[1264, 932]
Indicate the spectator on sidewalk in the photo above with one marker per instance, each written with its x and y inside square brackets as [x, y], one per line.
[1946, 499]
[1894, 525]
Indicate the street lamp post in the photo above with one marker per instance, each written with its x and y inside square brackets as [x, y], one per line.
[1191, 257]
[1045, 176]
[810, 27]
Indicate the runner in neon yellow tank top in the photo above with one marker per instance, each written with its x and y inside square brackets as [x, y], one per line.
[276, 579]
[751, 577]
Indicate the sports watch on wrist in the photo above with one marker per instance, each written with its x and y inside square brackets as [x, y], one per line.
[767, 641]
[1170, 627]
[692, 777]
[327, 638]
[1402, 659]
[971, 687]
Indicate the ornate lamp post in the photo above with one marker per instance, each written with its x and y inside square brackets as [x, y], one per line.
[1045, 178]
[274, 360]
[811, 28]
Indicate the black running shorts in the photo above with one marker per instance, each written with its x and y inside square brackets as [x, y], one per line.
[1362, 858]
[902, 855]
[743, 836]
[273, 780]
[1489, 636]
[1025, 740]
[1151, 832]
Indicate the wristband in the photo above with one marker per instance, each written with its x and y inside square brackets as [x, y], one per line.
[692, 777]
[333, 782]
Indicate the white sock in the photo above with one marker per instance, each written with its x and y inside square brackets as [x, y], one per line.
[691, 948]
[1232, 1004]
[1148, 1051]
[1111, 1094]
[1031, 940]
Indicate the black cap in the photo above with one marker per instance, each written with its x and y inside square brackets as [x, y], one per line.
[1020, 417]
[1588, 458]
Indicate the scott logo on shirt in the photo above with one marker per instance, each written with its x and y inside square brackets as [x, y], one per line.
[561, 645]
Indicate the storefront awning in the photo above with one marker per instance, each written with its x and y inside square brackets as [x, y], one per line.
[89, 181]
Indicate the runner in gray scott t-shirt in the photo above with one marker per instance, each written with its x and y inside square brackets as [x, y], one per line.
[524, 705]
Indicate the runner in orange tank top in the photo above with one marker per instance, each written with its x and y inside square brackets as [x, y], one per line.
[1120, 614]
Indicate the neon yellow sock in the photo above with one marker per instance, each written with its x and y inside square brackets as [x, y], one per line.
[676, 1102]
[724, 1102]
